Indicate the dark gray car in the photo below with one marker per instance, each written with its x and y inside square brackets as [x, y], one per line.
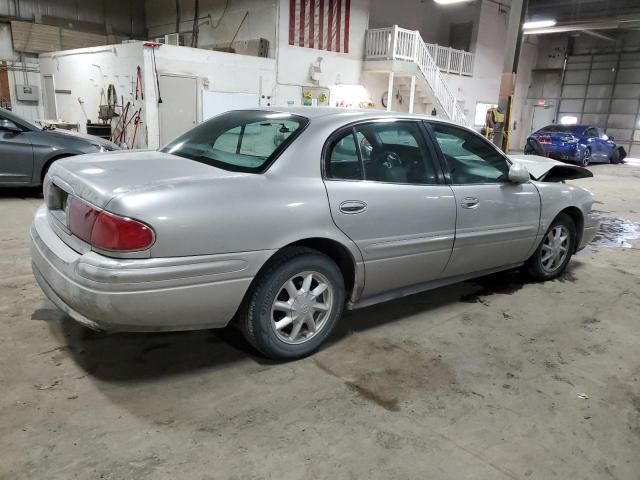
[27, 150]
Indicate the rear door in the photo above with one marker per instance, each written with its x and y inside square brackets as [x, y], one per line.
[387, 194]
[497, 220]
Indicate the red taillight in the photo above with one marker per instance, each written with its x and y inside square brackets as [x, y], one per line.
[81, 217]
[108, 231]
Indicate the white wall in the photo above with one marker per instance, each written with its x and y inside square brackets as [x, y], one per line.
[484, 85]
[223, 24]
[293, 62]
[434, 21]
[224, 72]
[86, 72]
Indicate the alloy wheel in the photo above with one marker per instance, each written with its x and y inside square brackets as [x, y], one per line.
[302, 307]
[555, 248]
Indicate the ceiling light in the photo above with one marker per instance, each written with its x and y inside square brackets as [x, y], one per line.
[449, 2]
[538, 24]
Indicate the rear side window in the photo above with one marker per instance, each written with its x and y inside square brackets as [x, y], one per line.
[240, 140]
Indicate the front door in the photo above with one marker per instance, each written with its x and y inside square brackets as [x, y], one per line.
[16, 157]
[178, 111]
[497, 221]
[386, 194]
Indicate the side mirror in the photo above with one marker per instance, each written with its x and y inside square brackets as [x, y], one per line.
[611, 138]
[518, 173]
[9, 125]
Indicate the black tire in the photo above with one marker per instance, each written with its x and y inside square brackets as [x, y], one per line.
[586, 157]
[535, 268]
[615, 156]
[255, 315]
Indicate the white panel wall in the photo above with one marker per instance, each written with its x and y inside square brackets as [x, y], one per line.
[214, 71]
[293, 63]
[86, 72]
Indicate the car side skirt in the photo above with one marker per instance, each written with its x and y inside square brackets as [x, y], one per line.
[423, 287]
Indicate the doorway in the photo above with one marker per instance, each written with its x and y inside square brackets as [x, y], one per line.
[178, 111]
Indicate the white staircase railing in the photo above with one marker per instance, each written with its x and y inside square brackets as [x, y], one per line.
[395, 43]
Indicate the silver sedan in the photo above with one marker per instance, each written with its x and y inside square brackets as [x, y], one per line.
[277, 220]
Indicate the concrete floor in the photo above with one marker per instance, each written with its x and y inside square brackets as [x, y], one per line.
[492, 379]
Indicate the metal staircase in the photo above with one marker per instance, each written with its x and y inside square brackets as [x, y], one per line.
[402, 45]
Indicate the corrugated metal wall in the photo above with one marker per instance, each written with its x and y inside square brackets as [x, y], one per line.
[604, 91]
[117, 16]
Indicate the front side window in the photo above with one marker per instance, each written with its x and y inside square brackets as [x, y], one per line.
[390, 152]
[243, 140]
[470, 158]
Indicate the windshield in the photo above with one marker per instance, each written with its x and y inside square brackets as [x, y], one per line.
[560, 128]
[17, 120]
[241, 140]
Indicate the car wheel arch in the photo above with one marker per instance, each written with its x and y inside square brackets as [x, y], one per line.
[333, 249]
[578, 219]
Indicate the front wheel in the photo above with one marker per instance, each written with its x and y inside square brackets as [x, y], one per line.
[615, 156]
[294, 304]
[554, 252]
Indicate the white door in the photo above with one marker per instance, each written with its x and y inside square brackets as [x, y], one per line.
[541, 117]
[49, 98]
[178, 111]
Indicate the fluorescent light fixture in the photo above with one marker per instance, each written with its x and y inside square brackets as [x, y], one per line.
[538, 24]
[450, 2]
[569, 120]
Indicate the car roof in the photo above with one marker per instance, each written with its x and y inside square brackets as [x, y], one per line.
[348, 113]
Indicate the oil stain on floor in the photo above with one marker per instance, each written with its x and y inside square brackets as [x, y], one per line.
[385, 372]
[616, 232]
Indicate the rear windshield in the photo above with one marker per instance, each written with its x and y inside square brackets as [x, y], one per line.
[241, 140]
[560, 128]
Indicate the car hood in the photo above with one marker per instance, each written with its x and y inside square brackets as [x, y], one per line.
[83, 137]
[100, 177]
[548, 170]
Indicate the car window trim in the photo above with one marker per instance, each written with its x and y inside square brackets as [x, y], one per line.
[440, 180]
[443, 160]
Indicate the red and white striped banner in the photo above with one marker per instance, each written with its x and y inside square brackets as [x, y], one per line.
[321, 24]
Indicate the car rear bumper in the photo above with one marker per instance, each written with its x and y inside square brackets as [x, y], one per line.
[568, 152]
[152, 294]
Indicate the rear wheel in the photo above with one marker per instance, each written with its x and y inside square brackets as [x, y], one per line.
[294, 304]
[554, 252]
[586, 157]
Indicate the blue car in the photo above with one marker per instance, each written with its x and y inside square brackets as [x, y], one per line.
[579, 144]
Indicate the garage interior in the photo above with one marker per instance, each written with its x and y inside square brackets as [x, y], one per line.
[492, 378]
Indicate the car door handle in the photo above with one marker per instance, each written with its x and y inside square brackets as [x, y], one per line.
[470, 202]
[353, 206]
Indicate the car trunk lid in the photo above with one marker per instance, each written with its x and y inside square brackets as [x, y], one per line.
[98, 179]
